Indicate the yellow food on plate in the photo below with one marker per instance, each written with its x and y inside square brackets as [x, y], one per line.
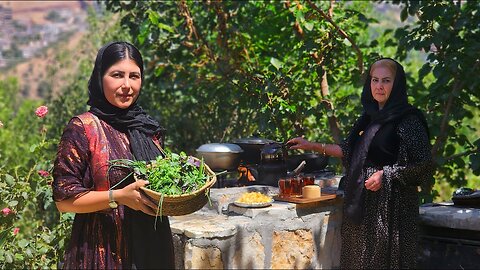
[254, 197]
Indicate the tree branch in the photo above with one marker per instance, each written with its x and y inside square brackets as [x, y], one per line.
[466, 153]
[342, 33]
[185, 12]
[442, 137]
[332, 120]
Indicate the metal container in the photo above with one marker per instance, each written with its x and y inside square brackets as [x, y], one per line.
[252, 148]
[314, 161]
[270, 173]
[220, 156]
[273, 152]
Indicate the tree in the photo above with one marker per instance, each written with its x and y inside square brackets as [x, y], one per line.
[448, 32]
[224, 70]
[217, 71]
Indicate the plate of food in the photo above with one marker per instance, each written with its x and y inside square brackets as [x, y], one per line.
[253, 200]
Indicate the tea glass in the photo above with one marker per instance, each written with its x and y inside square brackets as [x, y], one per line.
[297, 185]
[285, 187]
[308, 180]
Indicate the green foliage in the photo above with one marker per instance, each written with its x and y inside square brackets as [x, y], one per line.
[174, 174]
[217, 71]
[26, 234]
[448, 32]
[34, 234]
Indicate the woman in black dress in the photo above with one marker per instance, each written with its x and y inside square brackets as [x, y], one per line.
[386, 157]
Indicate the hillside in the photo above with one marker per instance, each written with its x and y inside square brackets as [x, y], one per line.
[35, 11]
[34, 71]
[62, 37]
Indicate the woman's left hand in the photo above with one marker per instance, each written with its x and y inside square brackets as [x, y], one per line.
[374, 182]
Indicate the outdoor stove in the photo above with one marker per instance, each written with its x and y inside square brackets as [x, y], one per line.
[250, 174]
[283, 235]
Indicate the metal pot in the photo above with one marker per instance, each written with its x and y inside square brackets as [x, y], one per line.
[314, 161]
[273, 152]
[220, 156]
[270, 173]
[252, 148]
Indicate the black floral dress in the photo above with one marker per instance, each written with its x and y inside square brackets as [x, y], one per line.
[387, 236]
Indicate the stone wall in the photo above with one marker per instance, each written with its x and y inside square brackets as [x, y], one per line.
[281, 236]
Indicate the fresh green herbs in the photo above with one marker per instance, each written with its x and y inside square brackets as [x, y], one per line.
[170, 174]
[174, 174]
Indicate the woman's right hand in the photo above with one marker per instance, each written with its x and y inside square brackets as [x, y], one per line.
[132, 197]
[300, 143]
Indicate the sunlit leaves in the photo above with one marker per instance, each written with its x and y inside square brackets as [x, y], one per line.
[276, 63]
[448, 32]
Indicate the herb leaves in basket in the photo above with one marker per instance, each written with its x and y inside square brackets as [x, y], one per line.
[174, 174]
[170, 174]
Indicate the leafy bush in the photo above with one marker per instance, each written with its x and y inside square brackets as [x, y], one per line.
[32, 232]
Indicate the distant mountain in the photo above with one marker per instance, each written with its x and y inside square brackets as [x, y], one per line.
[29, 34]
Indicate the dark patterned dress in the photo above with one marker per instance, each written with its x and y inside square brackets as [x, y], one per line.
[387, 236]
[99, 240]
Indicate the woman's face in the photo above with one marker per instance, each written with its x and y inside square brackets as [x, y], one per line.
[121, 83]
[381, 84]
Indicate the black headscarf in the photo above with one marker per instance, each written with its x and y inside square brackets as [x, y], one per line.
[151, 249]
[369, 123]
[139, 126]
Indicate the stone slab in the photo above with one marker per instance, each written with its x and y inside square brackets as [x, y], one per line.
[202, 226]
[277, 209]
[449, 216]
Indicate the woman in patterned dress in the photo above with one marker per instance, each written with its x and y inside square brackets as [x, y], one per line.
[114, 222]
[386, 157]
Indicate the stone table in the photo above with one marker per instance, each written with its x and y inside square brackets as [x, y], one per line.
[449, 236]
[281, 236]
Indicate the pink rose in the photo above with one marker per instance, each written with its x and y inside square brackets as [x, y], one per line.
[43, 173]
[41, 111]
[6, 211]
[16, 230]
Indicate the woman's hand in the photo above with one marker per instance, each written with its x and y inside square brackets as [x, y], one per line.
[374, 182]
[132, 197]
[300, 143]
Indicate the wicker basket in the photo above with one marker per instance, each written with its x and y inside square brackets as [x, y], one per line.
[178, 205]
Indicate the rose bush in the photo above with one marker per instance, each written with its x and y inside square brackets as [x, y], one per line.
[41, 111]
[32, 231]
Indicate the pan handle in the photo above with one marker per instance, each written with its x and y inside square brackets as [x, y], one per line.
[299, 168]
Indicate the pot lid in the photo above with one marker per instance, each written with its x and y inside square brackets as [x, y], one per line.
[220, 148]
[272, 148]
[253, 140]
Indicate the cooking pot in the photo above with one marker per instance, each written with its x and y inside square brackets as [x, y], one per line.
[273, 152]
[252, 148]
[270, 173]
[220, 156]
[314, 162]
